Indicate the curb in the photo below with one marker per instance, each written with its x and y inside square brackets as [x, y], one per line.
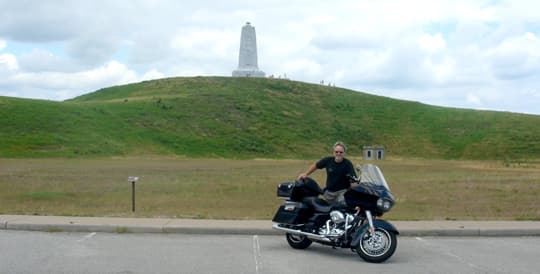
[139, 229]
[470, 233]
[256, 227]
[269, 231]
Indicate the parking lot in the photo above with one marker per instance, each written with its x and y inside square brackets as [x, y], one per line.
[42, 252]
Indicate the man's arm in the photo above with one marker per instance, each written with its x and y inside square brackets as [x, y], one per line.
[310, 170]
[352, 172]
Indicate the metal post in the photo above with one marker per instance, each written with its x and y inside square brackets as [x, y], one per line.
[133, 196]
[133, 179]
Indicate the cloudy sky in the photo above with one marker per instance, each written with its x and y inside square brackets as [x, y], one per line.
[468, 54]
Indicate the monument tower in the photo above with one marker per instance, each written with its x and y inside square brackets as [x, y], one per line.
[247, 59]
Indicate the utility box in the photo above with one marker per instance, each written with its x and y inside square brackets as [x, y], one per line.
[373, 153]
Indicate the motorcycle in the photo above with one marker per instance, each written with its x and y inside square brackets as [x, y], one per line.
[353, 223]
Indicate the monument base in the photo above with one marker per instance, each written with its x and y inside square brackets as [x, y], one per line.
[248, 73]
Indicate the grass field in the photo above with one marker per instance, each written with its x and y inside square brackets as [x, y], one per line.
[245, 189]
[245, 118]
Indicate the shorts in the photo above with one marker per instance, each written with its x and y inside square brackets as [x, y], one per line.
[334, 197]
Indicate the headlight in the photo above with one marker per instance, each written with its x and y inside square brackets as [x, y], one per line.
[384, 205]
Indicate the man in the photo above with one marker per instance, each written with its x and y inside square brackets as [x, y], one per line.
[338, 170]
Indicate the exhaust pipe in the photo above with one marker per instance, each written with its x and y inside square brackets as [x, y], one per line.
[298, 232]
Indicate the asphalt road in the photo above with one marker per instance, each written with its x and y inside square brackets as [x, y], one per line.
[42, 252]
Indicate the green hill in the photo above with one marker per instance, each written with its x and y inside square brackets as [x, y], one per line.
[255, 117]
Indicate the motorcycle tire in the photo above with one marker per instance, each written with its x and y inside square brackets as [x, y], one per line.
[377, 248]
[298, 241]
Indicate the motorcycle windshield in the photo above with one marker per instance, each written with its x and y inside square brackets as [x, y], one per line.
[372, 182]
[371, 173]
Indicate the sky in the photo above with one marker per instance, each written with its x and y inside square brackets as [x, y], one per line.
[465, 54]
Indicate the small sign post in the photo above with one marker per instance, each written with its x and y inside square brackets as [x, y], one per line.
[133, 180]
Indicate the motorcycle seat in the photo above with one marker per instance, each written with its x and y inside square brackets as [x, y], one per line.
[319, 205]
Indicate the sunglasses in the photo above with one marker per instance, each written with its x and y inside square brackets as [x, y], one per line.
[339, 152]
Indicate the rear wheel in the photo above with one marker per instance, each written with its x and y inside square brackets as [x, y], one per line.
[379, 247]
[298, 241]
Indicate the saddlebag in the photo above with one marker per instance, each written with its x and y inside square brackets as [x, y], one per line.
[292, 213]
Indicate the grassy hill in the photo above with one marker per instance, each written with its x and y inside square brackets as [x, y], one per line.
[255, 117]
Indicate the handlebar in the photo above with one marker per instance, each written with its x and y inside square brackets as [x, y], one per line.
[353, 178]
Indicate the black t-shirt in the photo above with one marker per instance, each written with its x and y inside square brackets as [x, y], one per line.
[336, 173]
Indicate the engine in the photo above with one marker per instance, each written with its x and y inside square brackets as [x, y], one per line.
[337, 225]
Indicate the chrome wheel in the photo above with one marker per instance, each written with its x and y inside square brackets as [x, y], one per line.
[378, 247]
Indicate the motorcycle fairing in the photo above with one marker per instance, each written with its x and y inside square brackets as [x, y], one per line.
[372, 186]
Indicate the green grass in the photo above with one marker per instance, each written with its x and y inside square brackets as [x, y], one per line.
[246, 189]
[45, 196]
[224, 117]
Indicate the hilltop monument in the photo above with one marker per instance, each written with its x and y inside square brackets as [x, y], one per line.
[247, 59]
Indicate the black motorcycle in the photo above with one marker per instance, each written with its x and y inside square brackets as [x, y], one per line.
[353, 223]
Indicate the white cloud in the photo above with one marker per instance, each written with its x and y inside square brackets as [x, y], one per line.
[41, 60]
[91, 51]
[442, 70]
[473, 100]
[432, 43]
[62, 85]
[112, 72]
[516, 57]
[8, 62]
[303, 66]
[151, 75]
[202, 44]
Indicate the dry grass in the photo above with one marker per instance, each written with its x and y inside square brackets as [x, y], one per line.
[463, 190]
[245, 189]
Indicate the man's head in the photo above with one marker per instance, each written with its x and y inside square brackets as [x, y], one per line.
[339, 151]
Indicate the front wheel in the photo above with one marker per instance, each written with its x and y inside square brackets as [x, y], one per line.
[379, 247]
[298, 241]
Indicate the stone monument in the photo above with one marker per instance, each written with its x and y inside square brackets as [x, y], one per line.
[247, 59]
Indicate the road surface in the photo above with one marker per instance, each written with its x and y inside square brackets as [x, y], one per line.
[42, 252]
